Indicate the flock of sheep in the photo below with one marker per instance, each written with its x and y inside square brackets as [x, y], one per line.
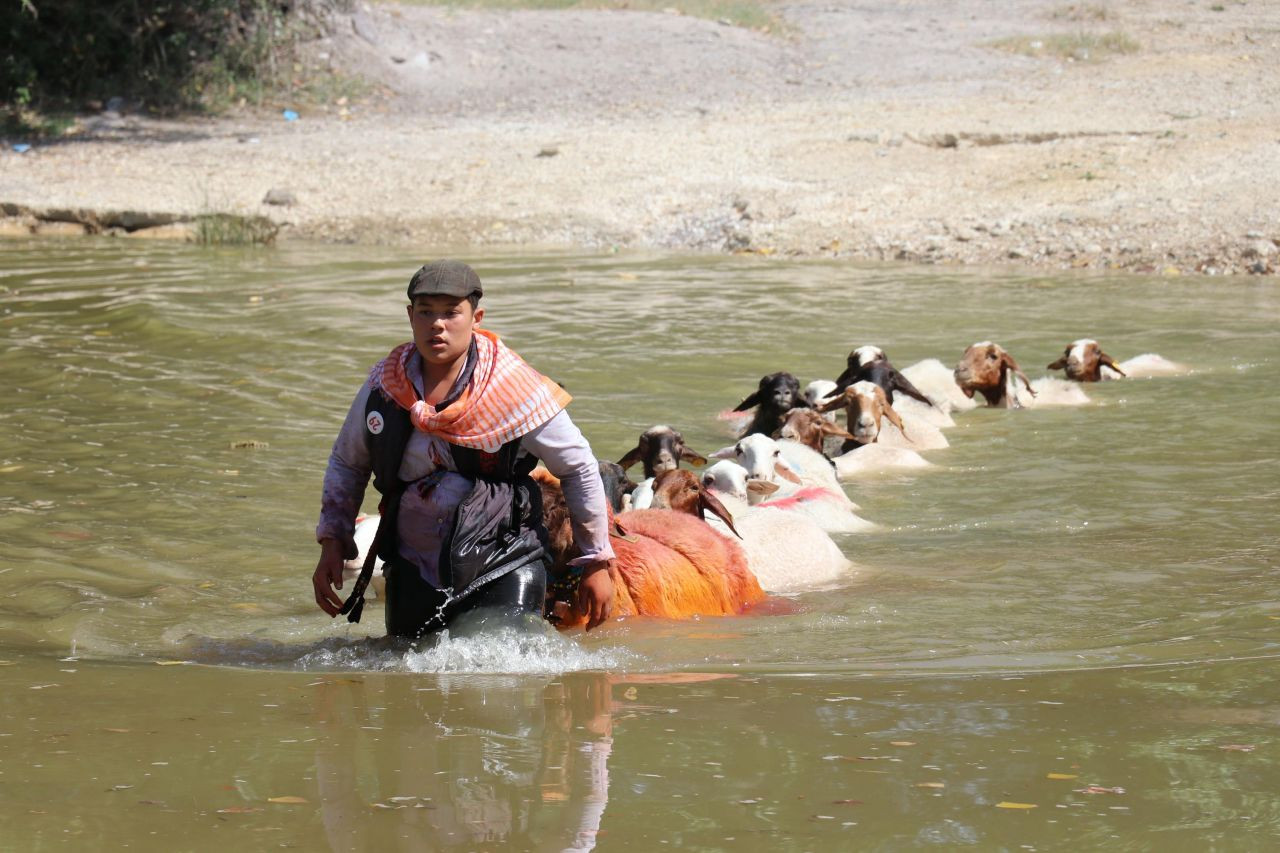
[759, 519]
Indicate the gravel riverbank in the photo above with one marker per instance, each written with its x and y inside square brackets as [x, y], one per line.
[865, 131]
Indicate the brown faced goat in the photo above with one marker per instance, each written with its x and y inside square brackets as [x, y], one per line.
[1083, 361]
[986, 369]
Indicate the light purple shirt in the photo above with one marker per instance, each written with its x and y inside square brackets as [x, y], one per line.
[424, 518]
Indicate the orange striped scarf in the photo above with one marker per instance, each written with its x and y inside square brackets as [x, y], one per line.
[505, 399]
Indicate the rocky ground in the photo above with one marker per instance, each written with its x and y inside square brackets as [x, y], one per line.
[879, 129]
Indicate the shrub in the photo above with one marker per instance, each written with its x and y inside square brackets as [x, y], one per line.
[160, 51]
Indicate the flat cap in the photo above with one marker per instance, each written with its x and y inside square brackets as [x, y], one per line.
[445, 278]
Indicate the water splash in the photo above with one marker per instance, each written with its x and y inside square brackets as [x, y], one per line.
[476, 643]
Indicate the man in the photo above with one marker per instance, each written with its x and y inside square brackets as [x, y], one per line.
[450, 425]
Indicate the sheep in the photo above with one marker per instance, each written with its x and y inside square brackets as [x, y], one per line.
[782, 459]
[778, 394]
[813, 430]
[682, 491]
[817, 391]
[1084, 361]
[1150, 364]
[935, 415]
[870, 364]
[642, 496]
[877, 458]
[617, 487]
[867, 407]
[787, 551]
[807, 477]
[937, 382]
[987, 369]
[666, 564]
[660, 448]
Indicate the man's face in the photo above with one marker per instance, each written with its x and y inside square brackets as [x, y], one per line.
[442, 327]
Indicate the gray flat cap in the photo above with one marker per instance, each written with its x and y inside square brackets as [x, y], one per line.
[445, 278]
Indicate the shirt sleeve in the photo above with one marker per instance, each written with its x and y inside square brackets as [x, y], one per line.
[346, 478]
[564, 450]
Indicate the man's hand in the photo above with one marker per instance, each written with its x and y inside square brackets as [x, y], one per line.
[595, 593]
[327, 576]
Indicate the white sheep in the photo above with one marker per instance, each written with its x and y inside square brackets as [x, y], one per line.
[938, 382]
[1147, 365]
[830, 508]
[870, 459]
[787, 551]
[870, 418]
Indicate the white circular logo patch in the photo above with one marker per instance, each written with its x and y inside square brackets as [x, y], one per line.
[374, 422]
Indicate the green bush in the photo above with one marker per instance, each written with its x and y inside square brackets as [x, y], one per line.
[163, 52]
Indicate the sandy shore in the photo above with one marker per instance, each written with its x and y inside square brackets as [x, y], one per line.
[864, 131]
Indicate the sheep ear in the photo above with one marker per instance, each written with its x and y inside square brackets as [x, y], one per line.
[692, 458]
[708, 502]
[1111, 363]
[903, 384]
[896, 420]
[761, 487]
[1008, 362]
[633, 456]
[730, 452]
[753, 400]
[832, 403]
[829, 428]
[784, 471]
[1059, 364]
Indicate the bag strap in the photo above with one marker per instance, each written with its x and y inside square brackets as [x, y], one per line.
[354, 605]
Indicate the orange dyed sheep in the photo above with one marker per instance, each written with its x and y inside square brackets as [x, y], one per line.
[667, 564]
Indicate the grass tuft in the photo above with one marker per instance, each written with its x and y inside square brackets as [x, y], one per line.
[749, 14]
[1082, 12]
[1078, 47]
[227, 229]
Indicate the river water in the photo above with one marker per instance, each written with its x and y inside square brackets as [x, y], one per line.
[1064, 634]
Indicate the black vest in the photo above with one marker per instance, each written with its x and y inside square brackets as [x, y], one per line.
[497, 527]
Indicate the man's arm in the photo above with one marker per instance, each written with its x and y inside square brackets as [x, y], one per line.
[565, 451]
[345, 480]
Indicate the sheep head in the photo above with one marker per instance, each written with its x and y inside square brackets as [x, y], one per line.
[865, 404]
[777, 391]
[984, 369]
[762, 458]
[682, 491]
[807, 427]
[727, 477]
[1084, 360]
[660, 448]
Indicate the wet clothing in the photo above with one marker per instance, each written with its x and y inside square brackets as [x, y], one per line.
[415, 607]
[455, 553]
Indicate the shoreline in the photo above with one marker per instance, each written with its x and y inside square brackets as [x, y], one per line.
[1163, 162]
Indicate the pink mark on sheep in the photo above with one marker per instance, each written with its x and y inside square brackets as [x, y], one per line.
[808, 494]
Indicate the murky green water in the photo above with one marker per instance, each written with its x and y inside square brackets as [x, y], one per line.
[1087, 592]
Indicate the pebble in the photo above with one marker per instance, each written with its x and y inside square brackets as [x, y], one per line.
[280, 197]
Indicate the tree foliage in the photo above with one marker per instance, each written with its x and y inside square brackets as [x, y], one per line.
[65, 52]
